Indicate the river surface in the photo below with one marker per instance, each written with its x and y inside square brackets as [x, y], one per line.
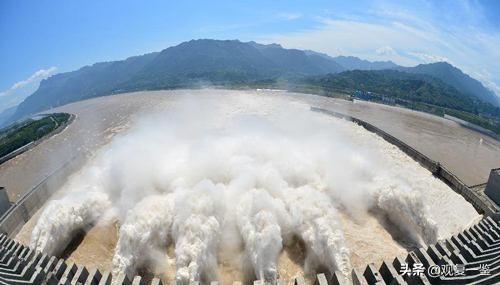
[468, 154]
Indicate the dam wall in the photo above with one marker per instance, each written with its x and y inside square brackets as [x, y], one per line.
[21, 211]
[16, 152]
[479, 202]
[35, 143]
[473, 126]
[13, 219]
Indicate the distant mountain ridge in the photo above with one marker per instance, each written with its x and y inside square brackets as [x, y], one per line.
[412, 90]
[216, 62]
[456, 78]
[354, 63]
[412, 87]
[189, 62]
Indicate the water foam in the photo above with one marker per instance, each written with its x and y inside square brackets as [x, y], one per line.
[261, 168]
[144, 232]
[61, 219]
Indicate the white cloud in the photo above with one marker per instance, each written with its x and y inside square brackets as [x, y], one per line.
[428, 58]
[352, 37]
[22, 89]
[485, 77]
[406, 38]
[492, 86]
[35, 78]
[385, 51]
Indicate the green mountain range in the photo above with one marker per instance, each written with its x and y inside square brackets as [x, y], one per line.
[406, 87]
[229, 62]
[456, 78]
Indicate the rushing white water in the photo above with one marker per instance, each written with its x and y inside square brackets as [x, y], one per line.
[260, 217]
[317, 223]
[63, 218]
[195, 229]
[143, 233]
[261, 169]
[407, 210]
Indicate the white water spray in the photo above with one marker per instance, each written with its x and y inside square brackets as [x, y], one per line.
[264, 169]
[196, 228]
[144, 232]
[61, 219]
[315, 220]
[260, 218]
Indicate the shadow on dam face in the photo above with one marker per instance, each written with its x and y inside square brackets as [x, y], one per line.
[294, 252]
[397, 234]
[76, 240]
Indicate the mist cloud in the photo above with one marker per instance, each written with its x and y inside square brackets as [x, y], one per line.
[216, 173]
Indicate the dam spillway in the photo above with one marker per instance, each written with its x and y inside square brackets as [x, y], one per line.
[475, 251]
[355, 222]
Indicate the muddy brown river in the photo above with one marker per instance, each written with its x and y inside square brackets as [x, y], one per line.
[468, 154]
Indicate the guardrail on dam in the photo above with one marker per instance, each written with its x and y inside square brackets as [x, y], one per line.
[35, 143]
[480, 203]
[22, 210]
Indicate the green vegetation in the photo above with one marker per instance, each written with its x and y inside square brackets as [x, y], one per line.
[436, 88]
[22, 133]
[407, 87]
[486, 123]
[414, 91]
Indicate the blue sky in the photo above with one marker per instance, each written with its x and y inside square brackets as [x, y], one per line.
[41, 38]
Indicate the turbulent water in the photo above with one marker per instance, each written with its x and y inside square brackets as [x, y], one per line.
[211, 174]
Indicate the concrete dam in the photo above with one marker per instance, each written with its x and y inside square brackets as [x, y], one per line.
[219, 185]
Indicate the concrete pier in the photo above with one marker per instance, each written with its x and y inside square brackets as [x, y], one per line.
[493, 185]
[476, 250]
[4, 201]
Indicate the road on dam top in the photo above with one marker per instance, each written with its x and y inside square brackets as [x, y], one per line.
[468, 154]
